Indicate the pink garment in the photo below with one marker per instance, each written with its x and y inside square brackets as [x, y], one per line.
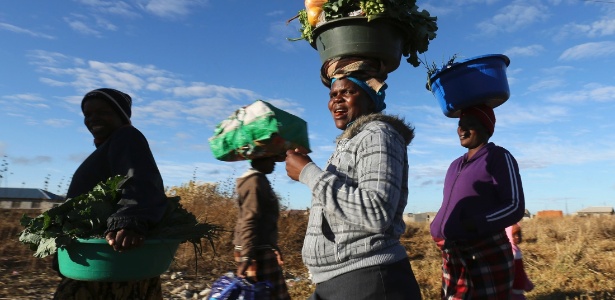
[522, 283]
[516, 250]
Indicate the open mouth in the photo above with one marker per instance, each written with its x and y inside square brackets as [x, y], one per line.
[96, 128]
[339, 112]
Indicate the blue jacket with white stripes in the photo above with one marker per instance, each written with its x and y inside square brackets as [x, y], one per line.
[482, 196]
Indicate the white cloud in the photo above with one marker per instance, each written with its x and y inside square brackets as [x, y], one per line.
[514, 17]
[280, 32]
[171, 9]
[105, 24]
[158, 96]
[547, 84]
[31, 160]
[515, 114]
[600, 28]
[603, 94]
[545, 151]
[174, 173]
[589, 50]
[590, 93]
[58, 123]
[275, 13]
[557, 70]
[183, 136]
[161, 112]
[15, 29]
[52, 82]
[110, 7]
[200, 89]
[81, 27]
[286, 105]
[532, 50]
[25, 97]
[449, 7]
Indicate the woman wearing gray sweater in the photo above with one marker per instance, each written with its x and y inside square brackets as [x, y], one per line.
[352, 246]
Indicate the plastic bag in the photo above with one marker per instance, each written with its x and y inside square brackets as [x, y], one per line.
[258, 130]
[229, 287]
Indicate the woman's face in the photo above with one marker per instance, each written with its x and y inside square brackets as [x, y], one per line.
[471, 132]
[100, 118]
[347, 102]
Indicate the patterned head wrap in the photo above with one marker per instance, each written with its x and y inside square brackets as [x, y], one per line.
[367, 73]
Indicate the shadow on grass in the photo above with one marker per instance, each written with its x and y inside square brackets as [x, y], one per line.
[575, 295]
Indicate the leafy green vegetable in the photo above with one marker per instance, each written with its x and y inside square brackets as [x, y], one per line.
[85, 216]
[418, 26]
[433, 68]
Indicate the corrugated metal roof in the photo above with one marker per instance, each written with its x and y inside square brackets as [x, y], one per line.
[597, 209]
[27, 193]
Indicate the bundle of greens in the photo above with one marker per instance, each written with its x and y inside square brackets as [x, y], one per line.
[433, 68]
[85, 216]
[418, 26]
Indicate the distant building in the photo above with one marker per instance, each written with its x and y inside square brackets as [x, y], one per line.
[28, 198]
[550, 214]
[425, 217]
[596, 211]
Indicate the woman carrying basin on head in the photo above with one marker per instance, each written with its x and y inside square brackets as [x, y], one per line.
[482, 196]
[352, 246]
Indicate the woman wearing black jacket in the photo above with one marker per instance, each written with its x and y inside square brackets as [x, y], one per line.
[121, 149]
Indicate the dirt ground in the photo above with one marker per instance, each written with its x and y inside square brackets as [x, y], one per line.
[566, 258]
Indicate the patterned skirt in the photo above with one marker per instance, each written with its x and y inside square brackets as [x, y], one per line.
[481, 269]
[268, 269]
[70, 289]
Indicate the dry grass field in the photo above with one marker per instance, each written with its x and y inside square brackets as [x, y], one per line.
[566, 258]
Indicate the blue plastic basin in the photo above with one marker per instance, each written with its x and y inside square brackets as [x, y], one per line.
[477, 80]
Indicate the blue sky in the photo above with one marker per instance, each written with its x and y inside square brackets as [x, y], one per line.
[188, 64]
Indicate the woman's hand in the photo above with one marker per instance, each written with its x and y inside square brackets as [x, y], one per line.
[295, 162]
[124, 239]
[279, 257]
[247, 269]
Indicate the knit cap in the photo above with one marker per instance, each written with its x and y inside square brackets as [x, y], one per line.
[120, 101]
[484, 114]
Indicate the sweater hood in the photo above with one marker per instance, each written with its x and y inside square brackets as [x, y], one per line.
[405, 129]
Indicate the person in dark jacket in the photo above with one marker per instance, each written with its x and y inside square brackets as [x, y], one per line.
[483, 195]
[121, 149]
[256, 232]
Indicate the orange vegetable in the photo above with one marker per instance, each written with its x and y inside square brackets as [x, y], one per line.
[313, 3]
[314, 10]
[313, 15]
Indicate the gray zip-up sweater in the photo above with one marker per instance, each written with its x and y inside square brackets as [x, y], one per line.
[358, 199]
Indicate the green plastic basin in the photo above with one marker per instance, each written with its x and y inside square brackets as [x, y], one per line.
[355, 36]
[95, 260]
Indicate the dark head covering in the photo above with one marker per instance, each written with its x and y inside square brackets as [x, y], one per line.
[120, 101]
[484, 114]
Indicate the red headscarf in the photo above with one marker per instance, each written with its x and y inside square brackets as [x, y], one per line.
[483, 113]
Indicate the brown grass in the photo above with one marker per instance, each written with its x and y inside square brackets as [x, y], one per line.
[566, 258]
